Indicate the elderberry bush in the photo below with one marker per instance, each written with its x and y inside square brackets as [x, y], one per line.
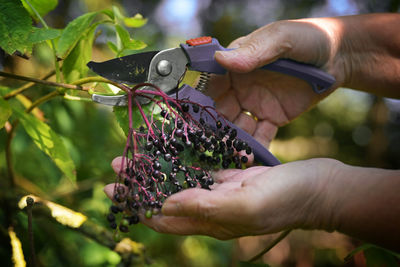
[170, 152]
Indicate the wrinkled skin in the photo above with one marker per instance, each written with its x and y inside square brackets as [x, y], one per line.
[313, 194]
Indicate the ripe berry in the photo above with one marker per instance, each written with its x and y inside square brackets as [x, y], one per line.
[167, 157]
[113, 225]
[244, 159]
[218, 124]
[195, 108]
[248, 150]
[185, 107]
[179, 133]
[110, 217]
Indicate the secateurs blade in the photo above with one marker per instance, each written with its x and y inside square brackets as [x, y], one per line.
[165, 69]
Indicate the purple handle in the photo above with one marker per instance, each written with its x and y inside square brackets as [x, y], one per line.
[201, 58]
[261, 154]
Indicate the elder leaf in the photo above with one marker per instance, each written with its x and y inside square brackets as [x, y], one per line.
[15, 27]
[73, 33]
[42, 6]
[49, 142]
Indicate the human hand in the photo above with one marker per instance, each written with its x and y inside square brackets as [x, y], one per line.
[274, 98]
[254, 201]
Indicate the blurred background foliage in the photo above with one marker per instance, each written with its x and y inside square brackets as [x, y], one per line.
[354, 127]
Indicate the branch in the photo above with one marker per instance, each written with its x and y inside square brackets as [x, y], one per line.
[48, 83]
[126, 248]
[26, 86]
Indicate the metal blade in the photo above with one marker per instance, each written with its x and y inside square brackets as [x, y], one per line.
[129, 69]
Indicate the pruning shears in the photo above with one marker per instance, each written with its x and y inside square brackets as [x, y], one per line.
[166, 69]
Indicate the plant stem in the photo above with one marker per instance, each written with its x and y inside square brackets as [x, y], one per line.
[271, 245]
[48, 83]
[27, 86]
[30, 202]
[53, 47]
[98, 79]
[42, 100]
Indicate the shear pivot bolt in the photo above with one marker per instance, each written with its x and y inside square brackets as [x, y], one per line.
[164, 67]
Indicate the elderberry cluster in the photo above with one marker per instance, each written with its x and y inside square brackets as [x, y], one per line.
[172, 151]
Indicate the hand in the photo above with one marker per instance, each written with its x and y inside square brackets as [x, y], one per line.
[254, 201]
[273, 97]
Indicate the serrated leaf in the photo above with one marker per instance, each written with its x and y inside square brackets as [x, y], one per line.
[73, 33]
[49, 142]
[38, 35]
[136, 21]
[74, 66]
[5, 112]
[15, 27]
[42, 6]
[122, 116]
[112, 47]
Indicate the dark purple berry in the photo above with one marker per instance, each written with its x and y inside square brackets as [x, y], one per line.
[110, 217]
[244, 159]
[123, 228]
[167, 157]
[179, 132]
[218, 124]
[113, 225]
[195, 108]
[248, 150]
[185, 107]
[133, 219]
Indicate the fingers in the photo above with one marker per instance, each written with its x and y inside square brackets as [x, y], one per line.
[245, 122]
[228, 106]
[265, 132]
[219, 206]
[116, 164]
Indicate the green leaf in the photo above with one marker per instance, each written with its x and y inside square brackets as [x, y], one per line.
[113, 47]
[15, 27]
[38, 35]
[117, 13]
[136, 21]
[5, 112]
[74, 66]
[73, 33]
[123, 35]
[49, 142]
[42, 6]
[122, 116]
[109, 13]
[127, 42]
[135, 45]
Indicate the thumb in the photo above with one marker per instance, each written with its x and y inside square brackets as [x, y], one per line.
[254, 51]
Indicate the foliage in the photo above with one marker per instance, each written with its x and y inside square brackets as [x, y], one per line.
[90, 136]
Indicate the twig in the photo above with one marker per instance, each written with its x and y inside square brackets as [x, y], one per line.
[48, 83]
[271, 245]
[42, 100]
[26, 86]
[30, 202]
